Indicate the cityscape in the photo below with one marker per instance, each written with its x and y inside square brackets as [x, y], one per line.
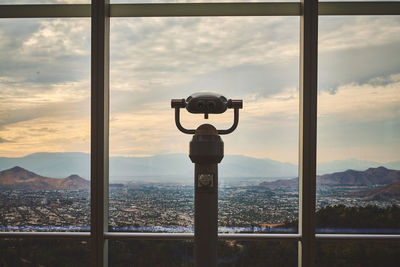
[157, 207]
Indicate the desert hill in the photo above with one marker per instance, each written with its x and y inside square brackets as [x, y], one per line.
[371, 176]
[22, 179]
[387, 192]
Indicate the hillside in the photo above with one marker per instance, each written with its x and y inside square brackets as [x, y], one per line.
[388, 192]
[18, 178]
[294, 182]
[371, 176]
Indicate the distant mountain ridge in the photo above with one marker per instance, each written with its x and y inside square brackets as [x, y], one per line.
[353, 164]
[18, 178]
[170, 167]
[371, 176]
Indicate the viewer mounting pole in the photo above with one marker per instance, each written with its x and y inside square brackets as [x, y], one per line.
[206, 150]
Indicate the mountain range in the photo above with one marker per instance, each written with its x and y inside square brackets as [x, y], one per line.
[18, 178]
[371, 176]
[172, 166]
[167, 167]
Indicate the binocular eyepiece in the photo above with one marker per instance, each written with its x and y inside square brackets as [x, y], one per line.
[206, 103]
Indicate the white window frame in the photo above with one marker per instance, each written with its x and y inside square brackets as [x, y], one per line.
[100, 12]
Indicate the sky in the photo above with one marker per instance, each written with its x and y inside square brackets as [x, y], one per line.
[45, 85]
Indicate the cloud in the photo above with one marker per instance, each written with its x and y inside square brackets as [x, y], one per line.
[359, 66]
[344, 33]
[46, 134]
[57, 38]
[44, 77]
[363, 102]
[168, 52]
[357, 49]
[360, 121]
[156, 59]
[55, 101]
[45, 50]
[2, 140]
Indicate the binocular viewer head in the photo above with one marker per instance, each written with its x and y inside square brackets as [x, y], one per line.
[206, 103]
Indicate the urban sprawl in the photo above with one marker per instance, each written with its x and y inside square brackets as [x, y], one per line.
[162, 207]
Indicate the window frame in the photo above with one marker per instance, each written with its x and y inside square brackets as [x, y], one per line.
[100, 12]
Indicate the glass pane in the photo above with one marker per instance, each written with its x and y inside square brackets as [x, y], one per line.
[357, 253]
[156, 59]
[44, 252]
[359, 124]
[44, 124]
[180, 253]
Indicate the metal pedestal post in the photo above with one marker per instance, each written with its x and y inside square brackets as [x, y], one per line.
[206, 151]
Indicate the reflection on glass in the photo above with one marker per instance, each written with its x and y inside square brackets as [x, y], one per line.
[180, 253]
[44, 252]
[44, 124]
[156, 59]
[358, 124]
[357, 253]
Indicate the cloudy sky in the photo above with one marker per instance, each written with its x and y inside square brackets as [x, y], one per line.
[45, 84]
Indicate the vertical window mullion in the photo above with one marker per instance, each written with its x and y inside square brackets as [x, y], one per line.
[99, 130]
[308, 130]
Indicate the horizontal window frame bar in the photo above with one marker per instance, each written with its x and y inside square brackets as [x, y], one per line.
[46, 11]
[358, 8]
[205, 9]
[356, 237]
[44, 235]
[252, 237]
[190, 236]
[149, 236]
[200, 9]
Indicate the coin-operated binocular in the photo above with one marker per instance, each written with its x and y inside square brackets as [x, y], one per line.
[206, 150]
[206, 103]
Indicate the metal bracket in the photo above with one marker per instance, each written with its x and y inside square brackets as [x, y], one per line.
[192, 131]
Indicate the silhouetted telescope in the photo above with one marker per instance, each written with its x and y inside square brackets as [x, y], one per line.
[206, 103]
[206, 150]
